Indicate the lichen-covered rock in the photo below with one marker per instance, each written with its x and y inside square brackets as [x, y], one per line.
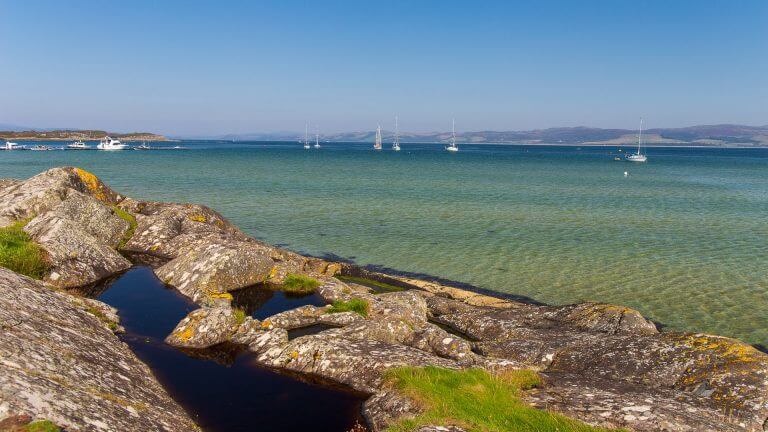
[76, 257]
[21, 200]
[629, 361]
[386, 407]
[340, 319]
[303, 316]
[216, 268]
[248, 331]
[203, 328]
[359, 364]
[59, 362]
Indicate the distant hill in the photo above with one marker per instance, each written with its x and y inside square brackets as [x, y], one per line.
[709, 135]
[85, 135]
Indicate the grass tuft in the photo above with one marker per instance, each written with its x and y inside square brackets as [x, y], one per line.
[42, 426]
[353, 305]
[476, 401]
[19, 253]
[239, 315]
[124, 215]
[300, 284]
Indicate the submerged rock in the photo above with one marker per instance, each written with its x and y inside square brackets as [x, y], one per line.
[58, 361]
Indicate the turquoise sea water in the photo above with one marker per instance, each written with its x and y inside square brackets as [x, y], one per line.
[683, 238]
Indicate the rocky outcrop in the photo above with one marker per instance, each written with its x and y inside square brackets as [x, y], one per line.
[60, 361]
[603, 364]
[71, 215]
[203, 255]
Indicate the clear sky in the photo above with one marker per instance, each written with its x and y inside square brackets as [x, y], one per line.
[215, 67]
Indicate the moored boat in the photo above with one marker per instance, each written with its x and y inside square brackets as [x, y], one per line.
[77, 145]
[108, 143]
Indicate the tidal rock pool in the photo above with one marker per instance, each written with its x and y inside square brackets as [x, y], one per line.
[222, 388]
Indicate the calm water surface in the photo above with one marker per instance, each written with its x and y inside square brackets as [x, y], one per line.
[683, 238]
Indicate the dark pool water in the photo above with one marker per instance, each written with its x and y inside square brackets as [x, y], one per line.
[223, 389]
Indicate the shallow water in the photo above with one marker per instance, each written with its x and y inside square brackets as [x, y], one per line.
[223, 389]
[683, 238]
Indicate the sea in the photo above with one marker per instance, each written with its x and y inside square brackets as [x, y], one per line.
[682, 238]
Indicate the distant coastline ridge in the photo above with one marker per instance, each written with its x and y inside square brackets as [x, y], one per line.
[78, 135]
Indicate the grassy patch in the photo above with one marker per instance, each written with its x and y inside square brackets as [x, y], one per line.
[42, 426]
[19, 253]
[124, 215]
[239, 315]
[376, 285]
[476, 401]
[300, 284]
[353, 305]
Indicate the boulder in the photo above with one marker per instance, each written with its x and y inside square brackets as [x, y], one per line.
[21, 200]
[204, 328]
[58, 361]
[76, 257]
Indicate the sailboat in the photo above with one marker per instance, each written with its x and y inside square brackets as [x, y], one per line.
[317, 139]
[377, 143]
[396, 144]
[306, 141]
[452, 147]
[638, 157]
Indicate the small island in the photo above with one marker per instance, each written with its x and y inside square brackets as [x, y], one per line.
[78, 135]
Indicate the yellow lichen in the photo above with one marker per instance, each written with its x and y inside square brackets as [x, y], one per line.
[187, 333]
[266, 324]
[218, 295]
[197, 218]
[92, 183]
[295, 355]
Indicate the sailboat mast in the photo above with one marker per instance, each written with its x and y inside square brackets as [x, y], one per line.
[306, 130]
[640, 136]
[453, 132]
[397, 133]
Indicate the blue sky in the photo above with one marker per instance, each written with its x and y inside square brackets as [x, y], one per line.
[195, 67]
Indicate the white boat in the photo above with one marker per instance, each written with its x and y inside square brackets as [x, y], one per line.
[317, 140]
[108, 143]
[452, 147]
[396, 143]
[41, 148]
[143, 146]
[639, 156]
[12, 146]
[78, 145]
[377, 142]
[306, 140]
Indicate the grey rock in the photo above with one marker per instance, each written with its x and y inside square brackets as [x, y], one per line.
[203, 328]
[59, 362]
[76, 257]
[303, 316]
[387, 407]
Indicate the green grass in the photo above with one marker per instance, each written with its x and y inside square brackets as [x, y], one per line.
[239, 315]
[376, 285]
[353, 305]
[41, 426]
[300, 284]
[124, 215]
[19, 253]
[476, 401]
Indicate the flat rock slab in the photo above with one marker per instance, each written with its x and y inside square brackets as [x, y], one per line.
[60, 362]
[203, 328]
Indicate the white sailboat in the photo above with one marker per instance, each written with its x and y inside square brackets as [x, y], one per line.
[306, 140]
[317, 139]
[377, 143]
[396, 144]
[452, 147]
[638, 157]
[108, 143]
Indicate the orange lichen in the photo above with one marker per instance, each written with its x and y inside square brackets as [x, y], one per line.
[92, 183]
[187, 333]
